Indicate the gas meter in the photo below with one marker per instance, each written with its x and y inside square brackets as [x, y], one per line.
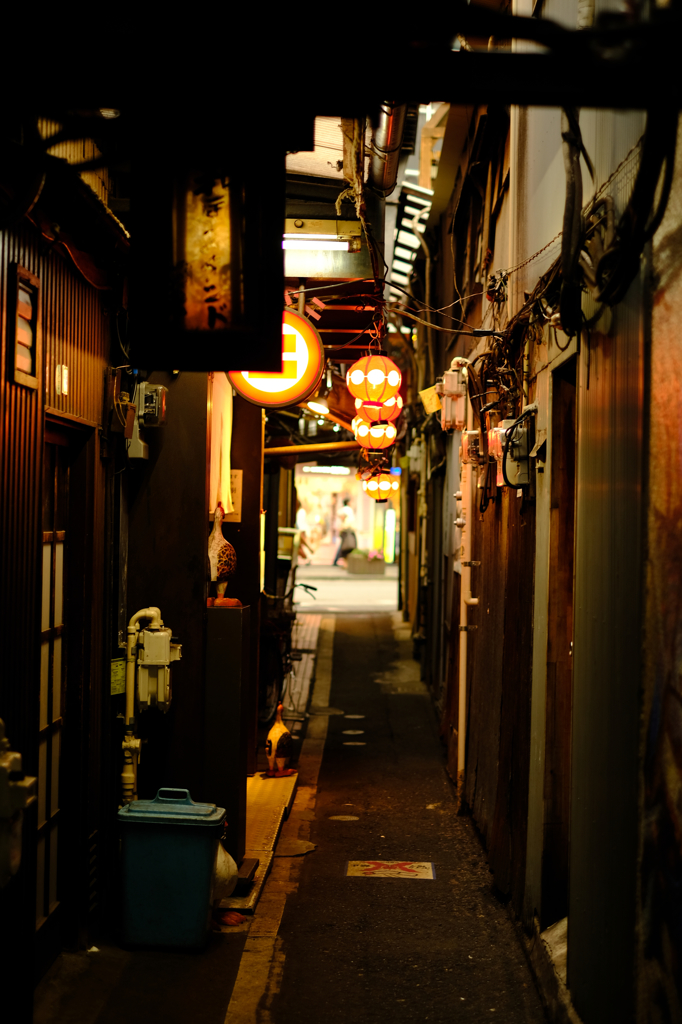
[156, 651]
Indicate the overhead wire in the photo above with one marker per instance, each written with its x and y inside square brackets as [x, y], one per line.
[433, 309]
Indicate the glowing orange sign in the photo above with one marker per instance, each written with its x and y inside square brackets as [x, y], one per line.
[302, 368]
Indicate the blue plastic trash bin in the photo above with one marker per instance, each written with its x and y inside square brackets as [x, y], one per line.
[169, 846]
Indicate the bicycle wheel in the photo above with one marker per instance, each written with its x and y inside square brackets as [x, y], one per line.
[270, 681]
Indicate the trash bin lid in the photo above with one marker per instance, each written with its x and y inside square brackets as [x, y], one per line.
[172, 806]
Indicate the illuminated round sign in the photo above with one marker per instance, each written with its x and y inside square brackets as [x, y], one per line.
[302, 368]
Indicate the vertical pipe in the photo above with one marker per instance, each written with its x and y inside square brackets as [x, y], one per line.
[429, 368]
[526, 367]
[465, 599]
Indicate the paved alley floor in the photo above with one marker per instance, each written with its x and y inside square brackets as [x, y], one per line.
[374, 950]
[338, 591]
[324, 947]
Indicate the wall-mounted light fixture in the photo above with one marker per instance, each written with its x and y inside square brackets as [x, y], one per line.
[320, 402]
[326, 243]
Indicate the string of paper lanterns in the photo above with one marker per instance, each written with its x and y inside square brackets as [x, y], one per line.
[374, 382]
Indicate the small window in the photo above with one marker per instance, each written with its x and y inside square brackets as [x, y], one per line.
[24, 353]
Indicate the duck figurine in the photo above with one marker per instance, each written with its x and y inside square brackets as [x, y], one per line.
[221, 554]
[278, 746]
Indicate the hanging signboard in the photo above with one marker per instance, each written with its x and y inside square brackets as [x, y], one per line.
[302, 368]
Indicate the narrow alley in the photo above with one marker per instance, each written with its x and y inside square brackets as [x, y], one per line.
[340, 526]
[434, 943]
[406, 949]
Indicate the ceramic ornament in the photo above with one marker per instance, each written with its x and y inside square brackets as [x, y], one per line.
[221, 554]
[278, 745]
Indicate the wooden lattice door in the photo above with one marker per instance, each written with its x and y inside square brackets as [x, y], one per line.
[53, 677]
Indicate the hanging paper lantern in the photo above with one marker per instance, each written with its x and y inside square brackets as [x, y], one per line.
[374, 379]
[374, 411]
[371, 487]
[374, 436]
[381, 486]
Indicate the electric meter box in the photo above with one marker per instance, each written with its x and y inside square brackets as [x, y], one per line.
[151, 407]
[150, 411]
[471, 447]
[517, 466]
[452, 391]
[168, 852]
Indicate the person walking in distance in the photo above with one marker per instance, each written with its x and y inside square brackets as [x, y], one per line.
[347, 538]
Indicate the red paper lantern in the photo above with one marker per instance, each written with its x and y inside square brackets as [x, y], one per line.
[374, 379]
[374, 436]
[372, 412]
[381, 486]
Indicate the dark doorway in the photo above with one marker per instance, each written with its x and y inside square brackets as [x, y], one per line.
[559, 647]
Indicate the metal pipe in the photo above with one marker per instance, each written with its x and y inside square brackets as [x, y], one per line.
[466, 600]
[131, 744]
[526, 366]
[427, 299]
[329, 446]
[386, 145]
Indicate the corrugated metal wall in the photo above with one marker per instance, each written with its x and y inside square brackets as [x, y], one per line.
[21, 415]
[73, 328]
[21, 424]
[75, 335]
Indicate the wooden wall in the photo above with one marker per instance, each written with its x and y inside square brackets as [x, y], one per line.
[499, 684]
[247, 455]
[660, 842]
[168, 567]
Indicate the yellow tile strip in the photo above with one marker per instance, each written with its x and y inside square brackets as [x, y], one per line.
[262, 964]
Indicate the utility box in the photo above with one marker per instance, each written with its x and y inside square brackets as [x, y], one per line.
[169, 847]
[155, 653]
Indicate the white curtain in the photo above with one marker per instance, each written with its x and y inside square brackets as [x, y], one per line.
[221, 443]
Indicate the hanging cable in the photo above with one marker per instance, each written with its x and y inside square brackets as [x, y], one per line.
[620, 262]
